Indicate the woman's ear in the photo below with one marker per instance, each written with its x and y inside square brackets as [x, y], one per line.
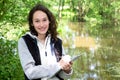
[49, 22]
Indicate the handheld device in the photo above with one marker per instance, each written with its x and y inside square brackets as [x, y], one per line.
[73, 59]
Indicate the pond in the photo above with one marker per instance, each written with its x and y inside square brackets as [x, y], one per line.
[100, 54]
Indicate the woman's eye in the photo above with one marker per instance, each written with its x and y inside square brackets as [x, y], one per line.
[37, 21]
[45, 19]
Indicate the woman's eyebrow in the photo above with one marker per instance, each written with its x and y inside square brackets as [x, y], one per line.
[39, 18]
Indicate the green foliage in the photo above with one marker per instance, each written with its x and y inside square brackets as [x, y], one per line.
[101, 15]
[10, 68]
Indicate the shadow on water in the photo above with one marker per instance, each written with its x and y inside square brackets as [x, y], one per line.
[101, 53]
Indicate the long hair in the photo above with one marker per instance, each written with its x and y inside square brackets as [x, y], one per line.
[52, 25]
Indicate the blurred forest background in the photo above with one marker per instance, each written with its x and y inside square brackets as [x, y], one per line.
[88, 27]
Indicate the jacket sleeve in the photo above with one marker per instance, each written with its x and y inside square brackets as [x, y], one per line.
[62, 74]
[28, 64]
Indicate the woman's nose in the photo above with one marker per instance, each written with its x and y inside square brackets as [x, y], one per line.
[41, 23]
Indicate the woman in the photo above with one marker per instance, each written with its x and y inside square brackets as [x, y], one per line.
[40, 50]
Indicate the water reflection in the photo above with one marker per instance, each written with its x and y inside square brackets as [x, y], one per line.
[101, 59]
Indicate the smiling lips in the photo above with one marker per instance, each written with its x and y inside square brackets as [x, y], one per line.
[42, 28]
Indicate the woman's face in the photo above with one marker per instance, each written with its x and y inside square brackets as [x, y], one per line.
[41, 22]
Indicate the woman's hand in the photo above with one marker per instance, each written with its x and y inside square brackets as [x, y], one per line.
[66, 63]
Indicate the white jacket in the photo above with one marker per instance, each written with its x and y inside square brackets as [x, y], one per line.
[49, 65]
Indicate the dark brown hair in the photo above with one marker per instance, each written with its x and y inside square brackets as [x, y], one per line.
[52, 25]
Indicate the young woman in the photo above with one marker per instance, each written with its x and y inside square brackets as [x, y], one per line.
[40, 50]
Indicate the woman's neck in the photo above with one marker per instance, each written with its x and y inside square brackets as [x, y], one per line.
[41, 38]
